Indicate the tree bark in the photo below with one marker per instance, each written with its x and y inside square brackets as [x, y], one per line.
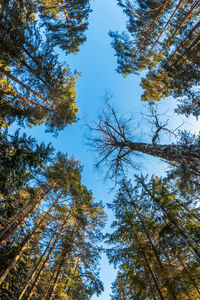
[49, 285]
[55, 283]
[14, 94]
[163, 271]
[151, 26]
[177, 7]
[8, 74]
[145, 257]
[16, 218]
[180, 25]
[173, 221]
[36, 268]
[65, 12]
[28, 214]
[37, 280]
[183, 154]
[23, 248]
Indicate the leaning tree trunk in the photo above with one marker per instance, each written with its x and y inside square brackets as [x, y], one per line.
[151, 26]
[37, 280]
[55, 283]
[17, 217]
[144, 256]
[183, 154]
[163, 30]
[170, 289]
[23, 248]
[28, 214]
[171, 218]
[180, 25]
[21, 98]
[49, 285]
[8, 74]
[36, 268]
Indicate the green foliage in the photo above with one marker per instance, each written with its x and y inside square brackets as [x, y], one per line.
[151, 242]
[162, 38]
[70, 251]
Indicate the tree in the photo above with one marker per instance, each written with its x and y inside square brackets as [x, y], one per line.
[155, 259]
[162, 38]
[35, 87]
[72, 218]
[112, 138]
[65, 22]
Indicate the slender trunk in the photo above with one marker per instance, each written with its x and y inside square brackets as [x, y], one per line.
[163, 271]
[55, 283]
[149, 268]
[17, 217]
[49, 285]
[150, 27]
[174, 12]
[69, 288]
[65, 12]
[178, 48]
[149, 283]
[183, 265]
[185, 53]
[23, 248]
[183, 206]
[28, 214]
[37, 280]
[145, 257]
[14, 94]
[8, 74]
[189, 275]
[184, 154]
[180, 25]
[36, 268]
[172, 220]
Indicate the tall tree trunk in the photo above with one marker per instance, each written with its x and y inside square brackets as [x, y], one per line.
[182, 264]
[23, 248]
[180, 25]
[8, 74]
[189, 275]
[17, 217]
[28, 214]
[144, 255]
[16, 95]
[151, 26]
[172, 220]
[189, 155]
[49, 285]
[69, 288]
[55, 283]
[65, 12]
[188, 36]
[149, 268]
[163, 271]
[37, 280]
[36, 268]
[174, 12]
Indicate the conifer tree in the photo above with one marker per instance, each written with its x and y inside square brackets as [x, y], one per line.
[162, 37]
[155, 258]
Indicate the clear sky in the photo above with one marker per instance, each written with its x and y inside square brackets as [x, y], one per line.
[97, 63]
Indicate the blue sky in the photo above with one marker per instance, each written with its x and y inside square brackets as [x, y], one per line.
[97, 63]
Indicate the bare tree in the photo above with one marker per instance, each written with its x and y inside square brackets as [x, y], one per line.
[113, 138]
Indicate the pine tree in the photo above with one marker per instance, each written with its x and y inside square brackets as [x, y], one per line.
[71, 209]
[34, 86]
[164, 39]
[149, 241]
